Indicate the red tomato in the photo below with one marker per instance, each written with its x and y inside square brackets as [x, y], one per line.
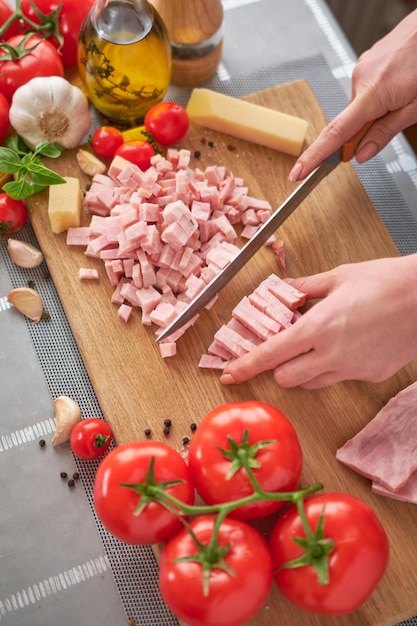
[71, 17]
[167, 122]
[106, 140]
[43, 60]
[137, 152]
[4, 118]
[277, 465]
[234, 596]
[6, 11]
[13, 215]
[116, 504]
[356, 564]
[90, 438]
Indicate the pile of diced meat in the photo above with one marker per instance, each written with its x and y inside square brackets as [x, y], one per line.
[163, 234]
[386, 449]
[272, 307]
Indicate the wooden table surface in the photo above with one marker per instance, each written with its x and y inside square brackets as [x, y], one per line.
[137, 389]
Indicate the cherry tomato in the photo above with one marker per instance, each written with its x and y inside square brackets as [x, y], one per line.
[276, 465]
[43, 60]
[13, 215]
[137, 152]
[106, 140]
[71, 17]
[116, 505]
[167, 122]
[6, 11]
[356, 564]
[4, 118]
[238, 584]
[90, 438]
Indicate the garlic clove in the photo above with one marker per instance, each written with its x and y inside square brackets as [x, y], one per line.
[67, 414]
[27, 301]
[23, 253]
[89, 163]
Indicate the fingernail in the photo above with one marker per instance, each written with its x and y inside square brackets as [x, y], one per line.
[366, 152]
[295, 173]
[227, 379]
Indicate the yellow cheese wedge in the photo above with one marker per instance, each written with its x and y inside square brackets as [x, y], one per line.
[244, 120]
[64, 206]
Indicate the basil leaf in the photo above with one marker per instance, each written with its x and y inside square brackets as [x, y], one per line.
[9, 161]
[43, 176]
[21, 189]
[16, 143]
[48, 149]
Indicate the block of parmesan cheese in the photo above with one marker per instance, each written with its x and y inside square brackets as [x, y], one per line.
[64, 205]
[248, 121]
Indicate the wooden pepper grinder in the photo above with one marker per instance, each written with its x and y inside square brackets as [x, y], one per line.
[195, 31]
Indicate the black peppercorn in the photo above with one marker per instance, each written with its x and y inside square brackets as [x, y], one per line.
[71, 482]
[76, 476]
[167, 422]
[42, 443]
[63, 474]
[148, 432]
[193, 426]
[185, 440]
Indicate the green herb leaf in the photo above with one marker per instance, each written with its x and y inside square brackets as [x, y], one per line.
[21, 189]
[41, 175]
[32, 175]
[9, 161]
[48, 149]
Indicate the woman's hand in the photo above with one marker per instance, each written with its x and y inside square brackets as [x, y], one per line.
[363, 328]
[384, 89]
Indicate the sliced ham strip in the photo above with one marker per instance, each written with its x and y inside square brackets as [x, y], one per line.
[87, 273]
[386, 449]
[407, 493]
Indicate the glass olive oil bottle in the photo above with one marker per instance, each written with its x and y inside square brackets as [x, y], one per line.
[124, 59]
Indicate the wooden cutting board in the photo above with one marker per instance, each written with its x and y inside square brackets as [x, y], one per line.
[137, 389]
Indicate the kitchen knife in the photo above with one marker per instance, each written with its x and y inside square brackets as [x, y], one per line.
[344, 154]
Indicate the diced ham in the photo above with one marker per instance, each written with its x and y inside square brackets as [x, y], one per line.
[124, 312]
[87, 273]
[164, 233]
[211, 362]
[386, 449]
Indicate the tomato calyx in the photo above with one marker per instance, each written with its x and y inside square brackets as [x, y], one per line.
[317, 548]
[243, 454]
[210, 556]
[151, 490]
[101, 440]
[48, 25]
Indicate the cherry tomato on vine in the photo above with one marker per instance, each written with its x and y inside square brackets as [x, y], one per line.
[167, 122]
[90, 438]
[4, 118]
[272, 449]
[137, 152]
[117, 505]
[43, 60]
[6, 11]
[13, 215]
[238, 582]
[106, 140]
[356, 563]
[71, 17]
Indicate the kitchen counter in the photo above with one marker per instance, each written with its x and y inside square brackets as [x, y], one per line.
[58, 565]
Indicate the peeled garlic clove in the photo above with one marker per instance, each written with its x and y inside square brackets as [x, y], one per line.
[89, 163]
[27, 301]
[67, 414]
[23, 253]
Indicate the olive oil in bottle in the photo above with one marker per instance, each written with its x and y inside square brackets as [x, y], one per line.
[124, 59]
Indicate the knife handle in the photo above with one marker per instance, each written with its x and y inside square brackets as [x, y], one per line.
[349, 148]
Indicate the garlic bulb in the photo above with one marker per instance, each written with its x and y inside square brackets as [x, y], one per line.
[49, 108]
[27, 301]
[67, 414]
[23, 254]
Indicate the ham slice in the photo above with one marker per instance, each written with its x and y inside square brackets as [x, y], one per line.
[386, 449]
[407, 493]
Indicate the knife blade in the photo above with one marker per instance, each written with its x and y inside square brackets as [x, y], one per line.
[262, 235]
